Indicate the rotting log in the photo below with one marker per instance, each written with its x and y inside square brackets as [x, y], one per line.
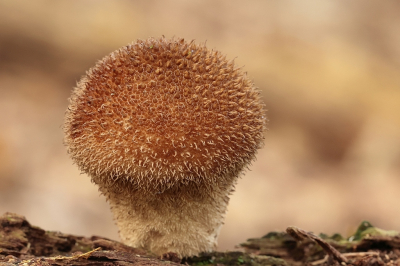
[24, 244]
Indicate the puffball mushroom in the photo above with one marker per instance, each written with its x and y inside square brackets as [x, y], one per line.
[164, 127]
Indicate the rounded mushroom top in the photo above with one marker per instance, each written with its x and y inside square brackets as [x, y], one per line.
[163, 112]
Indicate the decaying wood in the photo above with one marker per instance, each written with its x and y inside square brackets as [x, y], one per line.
[24, 244]
[368, 246]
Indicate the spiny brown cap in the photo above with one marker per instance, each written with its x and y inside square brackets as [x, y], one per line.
[164, 112]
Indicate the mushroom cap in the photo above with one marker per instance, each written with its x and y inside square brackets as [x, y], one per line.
[160, 113]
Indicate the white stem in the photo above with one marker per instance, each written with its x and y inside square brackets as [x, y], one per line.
[183, 220]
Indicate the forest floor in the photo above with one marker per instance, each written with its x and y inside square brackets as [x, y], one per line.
[24, 244]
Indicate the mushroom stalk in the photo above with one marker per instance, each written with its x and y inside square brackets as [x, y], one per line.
[180, 220]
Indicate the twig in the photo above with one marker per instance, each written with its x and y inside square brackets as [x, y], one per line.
[85, 255]
[300, 235]
[361, 254]
[317, 262]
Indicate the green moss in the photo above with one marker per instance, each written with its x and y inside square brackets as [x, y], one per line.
[366, 229]
[83, 248]
[233, 259]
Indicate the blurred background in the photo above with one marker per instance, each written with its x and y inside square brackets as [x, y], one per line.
[329, 72]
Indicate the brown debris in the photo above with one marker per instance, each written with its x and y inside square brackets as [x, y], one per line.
[299, 247]
[171, 256]
[24, 244]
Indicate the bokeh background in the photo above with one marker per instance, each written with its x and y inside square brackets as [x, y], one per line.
[329, 72]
